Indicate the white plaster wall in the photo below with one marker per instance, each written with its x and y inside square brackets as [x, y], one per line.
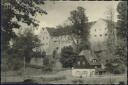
[98, 33]
[45, 39]
[83, 72]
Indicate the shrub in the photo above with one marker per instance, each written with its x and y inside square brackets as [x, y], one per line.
[68, 57]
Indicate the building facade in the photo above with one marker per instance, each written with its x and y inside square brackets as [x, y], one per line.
[98, 35]
[87, 65]
[101, 32]
[102, 37]
[53, 39]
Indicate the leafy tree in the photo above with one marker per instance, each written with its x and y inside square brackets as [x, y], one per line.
[68, 57]
[22, 48]
[122, 31]
[118, 50]
[115, 66]
[121, 48]
[109, 66]
[14, 11]
[122, 19]
[80, 26]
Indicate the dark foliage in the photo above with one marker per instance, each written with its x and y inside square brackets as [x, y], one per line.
[68, 57]
[22, 11]
[80, 28]
[122, 22]
[22, 50]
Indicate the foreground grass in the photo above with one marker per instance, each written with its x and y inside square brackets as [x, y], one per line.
[65, 77]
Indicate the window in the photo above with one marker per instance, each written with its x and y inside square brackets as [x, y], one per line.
[100, 35]
[94, 35]
[106, 34]
[95, 30]
[94, 60]
[78, 62]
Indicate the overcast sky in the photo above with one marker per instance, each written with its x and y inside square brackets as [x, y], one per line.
[59, 11]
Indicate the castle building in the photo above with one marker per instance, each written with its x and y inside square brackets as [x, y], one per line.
[98, 35]
[53, 39]
[101, 34]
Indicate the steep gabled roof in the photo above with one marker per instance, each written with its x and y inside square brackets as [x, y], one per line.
[89, 56]
[59, 31]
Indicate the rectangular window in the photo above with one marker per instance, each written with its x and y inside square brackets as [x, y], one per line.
[100, 35]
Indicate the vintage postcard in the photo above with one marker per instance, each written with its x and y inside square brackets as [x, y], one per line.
[64, 42]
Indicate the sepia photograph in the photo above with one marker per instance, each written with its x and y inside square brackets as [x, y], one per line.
[63, 42]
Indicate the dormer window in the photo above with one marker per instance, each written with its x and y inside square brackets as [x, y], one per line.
[94, 60]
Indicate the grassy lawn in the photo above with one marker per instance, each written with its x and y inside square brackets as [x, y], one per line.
[64, 77]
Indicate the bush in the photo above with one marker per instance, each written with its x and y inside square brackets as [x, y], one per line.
[119, 68]
[68, 57]
[15, 63]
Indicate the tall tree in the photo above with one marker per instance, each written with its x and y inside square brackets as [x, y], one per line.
[21, 10]
[23, 48]
[122, 19]
[119, 56]
[68, 57]
[112, 35]
[121, 50]
[80, 25]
